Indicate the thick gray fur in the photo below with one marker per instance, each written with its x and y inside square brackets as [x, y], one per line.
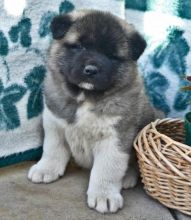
[126, 98]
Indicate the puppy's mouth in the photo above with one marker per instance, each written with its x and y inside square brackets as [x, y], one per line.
[86, 85]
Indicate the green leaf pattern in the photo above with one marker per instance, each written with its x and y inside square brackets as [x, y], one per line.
[182, 98]
[34, 81]
[13, 94]
[156, 85]
[22, 31]
[180, 8]
[168, 58]
[65, 7]
[3, 44]
[172, 52]
[167, 53]
[44, 27]
[9, 96]
[20, 36]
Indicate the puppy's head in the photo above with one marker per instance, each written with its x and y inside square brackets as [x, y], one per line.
[95, 51]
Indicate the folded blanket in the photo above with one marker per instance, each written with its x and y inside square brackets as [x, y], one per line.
[24, 39]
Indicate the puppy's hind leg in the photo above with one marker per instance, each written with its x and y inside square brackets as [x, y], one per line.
[56, 154]
[131, 178]
[132, 174]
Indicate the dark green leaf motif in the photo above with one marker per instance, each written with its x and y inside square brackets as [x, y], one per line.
[160, 53]
[1, 87]
[65, 7]
[182, 98]
[14, 34]
[22, 32]
[9, 118]
[35, 104]
[181, 101]
[156, 85]
[4, 50]
[34, 81]
[172, 52]
[3, 45]
[13, 94]
[180, 8]
[44, 28]
[136, 4]
[184, 9]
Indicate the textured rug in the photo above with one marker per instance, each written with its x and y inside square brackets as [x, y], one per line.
[25, 38]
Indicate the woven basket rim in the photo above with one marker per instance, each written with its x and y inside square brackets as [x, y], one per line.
[157, 122]
[176, 146]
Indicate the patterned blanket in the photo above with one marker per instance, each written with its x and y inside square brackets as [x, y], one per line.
[25, 38]
[167, 60]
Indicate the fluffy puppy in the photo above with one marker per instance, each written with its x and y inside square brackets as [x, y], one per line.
[94, 104]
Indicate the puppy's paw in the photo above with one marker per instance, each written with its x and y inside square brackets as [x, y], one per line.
[130, 180]
[105, 203]
[45, 171]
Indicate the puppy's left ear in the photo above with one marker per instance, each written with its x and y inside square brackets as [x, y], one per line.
[137, 44]
[60, 25]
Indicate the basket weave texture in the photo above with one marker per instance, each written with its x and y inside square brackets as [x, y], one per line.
[165, 163]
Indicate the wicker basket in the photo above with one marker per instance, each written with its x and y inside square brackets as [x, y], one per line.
[165, 163]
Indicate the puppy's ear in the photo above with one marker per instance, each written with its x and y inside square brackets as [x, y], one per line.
[60, 25]
[137, 44]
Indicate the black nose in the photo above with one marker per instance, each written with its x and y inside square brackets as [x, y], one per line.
[90, 70]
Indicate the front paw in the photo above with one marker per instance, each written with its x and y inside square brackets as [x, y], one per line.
[45, 171]
[105, 203]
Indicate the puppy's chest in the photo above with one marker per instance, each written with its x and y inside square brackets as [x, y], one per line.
[87, 131]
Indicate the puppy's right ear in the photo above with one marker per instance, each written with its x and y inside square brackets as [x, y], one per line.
[60, 25]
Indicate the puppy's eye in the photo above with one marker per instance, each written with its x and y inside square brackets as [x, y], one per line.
[74, 46]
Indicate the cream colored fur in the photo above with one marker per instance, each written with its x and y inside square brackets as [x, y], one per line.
[93, 142]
